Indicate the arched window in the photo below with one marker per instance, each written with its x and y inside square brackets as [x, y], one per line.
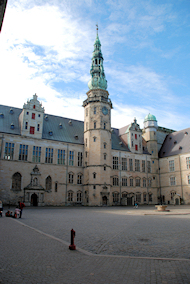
[94, 175]
[16, 181]
[71, 177]
[138, 181]
[48, 183]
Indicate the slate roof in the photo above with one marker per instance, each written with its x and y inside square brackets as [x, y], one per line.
[176, 143]
[67, 133]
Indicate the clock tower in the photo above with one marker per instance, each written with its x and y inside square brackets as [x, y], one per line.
[97, 134]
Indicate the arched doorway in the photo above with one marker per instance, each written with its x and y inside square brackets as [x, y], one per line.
[104, 200]
[34, 199]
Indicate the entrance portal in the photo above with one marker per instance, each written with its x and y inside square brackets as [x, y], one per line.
[129, 201]
[104, 200]
[34, 199]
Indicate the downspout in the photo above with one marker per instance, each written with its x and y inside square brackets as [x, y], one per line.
[147, 179]
[66, 174]
[160, 183]
[180, 177]
[1, 146]
[120, 175]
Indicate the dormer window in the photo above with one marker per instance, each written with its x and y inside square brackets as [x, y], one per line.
[70, 122]
[60, 126]
[12, 126]
[11, 111]
[46, 117]
[33, 115]
[50, 133]
[76, 137]
[1, 115]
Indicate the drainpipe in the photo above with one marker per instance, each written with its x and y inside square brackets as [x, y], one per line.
[120, 175]
[1, 146]
[180, 177]
[147, 178]
[67, 173]
[160, 183]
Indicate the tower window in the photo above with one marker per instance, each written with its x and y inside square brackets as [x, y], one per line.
[94, 124]
[104, 156]
[94, 110]
[27, 113]
[136, 147]
[104, 145]
[94, 139]
[94, 175]
[38, 127]
[33, 115]
[104, 168]
[95, 61]
[26, 125]
[104, 125]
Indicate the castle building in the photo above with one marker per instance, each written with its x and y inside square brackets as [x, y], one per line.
[52, 160]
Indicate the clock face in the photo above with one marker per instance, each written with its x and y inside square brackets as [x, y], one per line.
[105, 110]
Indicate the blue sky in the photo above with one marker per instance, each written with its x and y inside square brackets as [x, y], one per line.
[46, 48]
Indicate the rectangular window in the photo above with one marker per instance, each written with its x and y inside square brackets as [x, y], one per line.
[150, 197]
[124, 181]
[144, 197]
[79, 196]
[70, 178]
[32, 130]
[135, 136]
[79, 179]
[94, 110]
[136, 147]
[138, 182]
[71, 158]
[171, 166]
[188, 179]
[56, 185]
[143, 166]
[130, 164]
[61, 157]
[9, 151]
[36, 154]
[188, 162]
[33, 115]
[49, 156]
[115, 181]
[104, 156]
[26, 125]
[131, 181]
[94, 125]
[149, 183]
[124, 164]
[38, 127]
[144, 182]
[137, 165]
[79, 159]
[115, 163]
[23, 152]
[172, 181]
[148, 166]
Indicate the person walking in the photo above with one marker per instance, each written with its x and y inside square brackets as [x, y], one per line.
[21, 206]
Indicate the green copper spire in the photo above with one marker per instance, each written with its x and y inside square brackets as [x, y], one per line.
[98, 79]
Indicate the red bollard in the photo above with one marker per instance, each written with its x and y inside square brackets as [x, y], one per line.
[72, 245]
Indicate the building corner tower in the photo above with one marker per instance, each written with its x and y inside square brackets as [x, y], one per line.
[97, 134]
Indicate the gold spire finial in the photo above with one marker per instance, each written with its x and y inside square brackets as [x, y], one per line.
[97, 27]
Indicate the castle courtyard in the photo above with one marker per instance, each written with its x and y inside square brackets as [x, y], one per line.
[114, 245]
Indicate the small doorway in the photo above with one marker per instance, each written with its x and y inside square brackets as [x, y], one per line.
[129, 201]
[34, 199]
[104, 200]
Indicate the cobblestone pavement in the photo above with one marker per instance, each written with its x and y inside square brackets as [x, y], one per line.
[118, 247]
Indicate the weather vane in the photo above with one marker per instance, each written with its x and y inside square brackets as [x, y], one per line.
[97, 27]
